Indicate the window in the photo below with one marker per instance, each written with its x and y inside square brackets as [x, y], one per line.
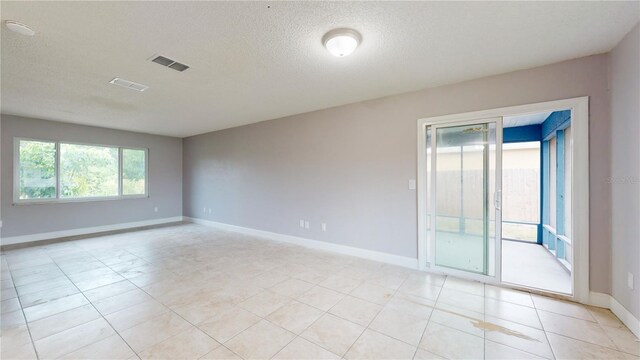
[568, 168]
[557, 172]
[59, 171]
[521, 191]
[37, 170]
[133, 172]
[88, 171]
[552, 182]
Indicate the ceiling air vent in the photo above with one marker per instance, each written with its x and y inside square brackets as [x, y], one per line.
[129, 84]
[170, 63]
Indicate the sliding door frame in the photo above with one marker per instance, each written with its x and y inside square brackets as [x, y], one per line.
[579, 184]
[498, 212]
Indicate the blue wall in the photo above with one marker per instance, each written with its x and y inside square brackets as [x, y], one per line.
[558, 120]
[554, 126]
[522, 134]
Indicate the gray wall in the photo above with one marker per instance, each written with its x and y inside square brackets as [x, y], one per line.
[348, 166]
[625, 169]
[165, 180]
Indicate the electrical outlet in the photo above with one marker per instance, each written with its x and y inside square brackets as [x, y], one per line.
[630, 280]
[306, 224]
[301, 223]
[412, 184]
[155, 209]
[324, 226]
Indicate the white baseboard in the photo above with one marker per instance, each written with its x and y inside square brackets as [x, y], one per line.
[600, 299]
[85, 231]
[625, 316]
[609, 302]
[315, 244]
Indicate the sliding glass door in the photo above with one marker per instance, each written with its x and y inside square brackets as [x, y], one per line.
[463, 184]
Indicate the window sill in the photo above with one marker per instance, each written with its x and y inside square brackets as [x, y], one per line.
[550, 229]
[565, 239]
[76, 200]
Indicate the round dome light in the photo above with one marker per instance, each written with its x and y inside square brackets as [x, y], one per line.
[341, 42]
[21, 29]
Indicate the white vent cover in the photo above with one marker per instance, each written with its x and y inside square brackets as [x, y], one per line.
[129, 84]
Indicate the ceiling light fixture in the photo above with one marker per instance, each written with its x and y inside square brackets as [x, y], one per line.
[21, 29]
[341, 42]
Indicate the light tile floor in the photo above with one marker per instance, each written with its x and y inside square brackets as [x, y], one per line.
[189, 292]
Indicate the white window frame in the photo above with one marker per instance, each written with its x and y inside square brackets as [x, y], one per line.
[146, 172]
[579, 185]
[58, 199]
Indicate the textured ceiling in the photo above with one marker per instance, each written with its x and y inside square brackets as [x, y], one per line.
[253, 61]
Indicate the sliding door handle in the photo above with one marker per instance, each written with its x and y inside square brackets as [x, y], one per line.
[497, 200]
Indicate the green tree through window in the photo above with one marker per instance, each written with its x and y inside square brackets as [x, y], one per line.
[133, 172]
[88, 171]
[37, 172]
[81, 171]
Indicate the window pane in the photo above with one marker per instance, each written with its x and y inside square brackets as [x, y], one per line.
[133, 172]
[521, 182]
[521, 190]
[37, 170]
[88, 171]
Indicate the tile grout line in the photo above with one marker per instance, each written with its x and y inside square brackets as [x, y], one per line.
[337, 316]
[502, 344]
[26, 323]
[269, 321]
[368, 326]
[636, 339]
[92, 305]
[370, 321]
[169, 308]
[313, 322]
[153, 317]
[601, 326]
[390, 336]
[553, 352]
[512, 347]
[577, 339]
[324, 312]
[296, 335]
[429, 318]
